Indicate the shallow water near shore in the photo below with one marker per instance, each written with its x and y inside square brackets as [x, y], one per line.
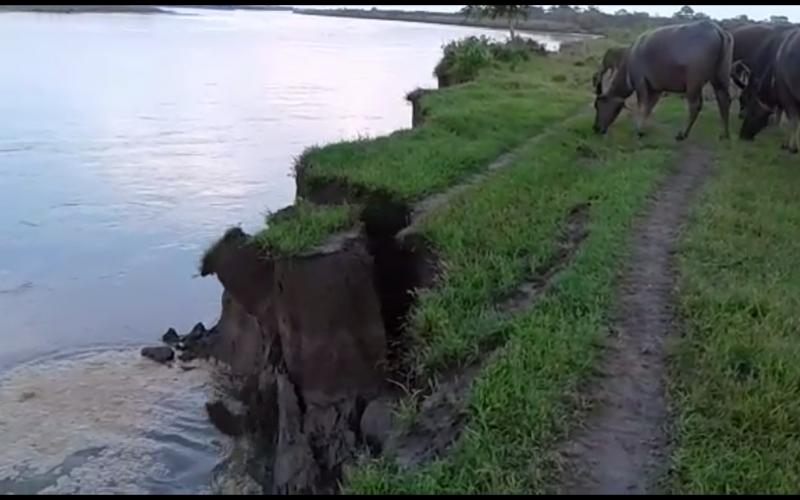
[102, 421]
[129, 143]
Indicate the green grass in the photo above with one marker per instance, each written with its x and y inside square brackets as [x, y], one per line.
[736, 372]
[735, 375]
[466, 127]
[306, 227]
[491, 238]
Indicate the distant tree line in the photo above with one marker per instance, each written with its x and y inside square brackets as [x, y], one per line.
[592, 19]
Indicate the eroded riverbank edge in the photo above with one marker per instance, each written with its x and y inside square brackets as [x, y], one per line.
[316, 339]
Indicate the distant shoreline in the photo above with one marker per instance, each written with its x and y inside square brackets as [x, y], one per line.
[86, 9]
[525, 26]
[269, 8]
[131, 9]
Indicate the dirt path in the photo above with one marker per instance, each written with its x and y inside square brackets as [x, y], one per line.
[622, 446]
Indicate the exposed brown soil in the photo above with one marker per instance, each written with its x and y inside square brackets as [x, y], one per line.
[621, 448]
[304, 338]
[418, 113]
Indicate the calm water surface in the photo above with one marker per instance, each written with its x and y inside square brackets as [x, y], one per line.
[129, 143]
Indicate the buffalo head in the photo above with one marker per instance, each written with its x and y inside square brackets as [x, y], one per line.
[607, 108]
[756, 113]
[740, 74]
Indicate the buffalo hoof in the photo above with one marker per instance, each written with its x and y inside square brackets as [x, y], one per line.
[640, 134]
[680, 136]
[792, 150]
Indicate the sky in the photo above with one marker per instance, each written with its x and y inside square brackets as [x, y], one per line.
[757, 12]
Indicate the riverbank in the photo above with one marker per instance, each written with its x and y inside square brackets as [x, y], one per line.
[447, 309]
[85, 9]
[276, 8]
[445, 18]
[377, 219]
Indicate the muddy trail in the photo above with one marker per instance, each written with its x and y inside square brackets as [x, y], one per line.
[622, 446]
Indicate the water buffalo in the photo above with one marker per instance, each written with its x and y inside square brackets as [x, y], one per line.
[680, 59]
[611, 61]
[775, 82]
[749, 40]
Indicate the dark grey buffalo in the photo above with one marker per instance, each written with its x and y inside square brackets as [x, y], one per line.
[610, 62]
[775, 83]
[678, 59]
[749, 40]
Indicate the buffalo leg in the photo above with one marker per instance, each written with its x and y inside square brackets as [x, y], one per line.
[647, 100]
[789, 107]
[652, 100]
[642, 98]
[796, 134]
[724, 104]
[695, 102]
[776, 117]
[794, 123]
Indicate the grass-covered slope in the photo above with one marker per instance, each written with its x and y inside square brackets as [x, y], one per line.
[492, 238]
[466, 127]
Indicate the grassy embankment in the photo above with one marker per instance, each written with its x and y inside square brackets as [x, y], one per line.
[491, 239]
[466, 128]
[735, 368]
[735, 376]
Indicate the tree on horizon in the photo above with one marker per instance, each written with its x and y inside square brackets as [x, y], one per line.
[513, 13]
[685, 13]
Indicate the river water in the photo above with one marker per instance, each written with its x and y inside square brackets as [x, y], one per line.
[128, 143]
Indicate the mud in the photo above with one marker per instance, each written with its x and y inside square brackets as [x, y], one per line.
[418, 113]
[439, 421]
[304, 338]
[622, 447]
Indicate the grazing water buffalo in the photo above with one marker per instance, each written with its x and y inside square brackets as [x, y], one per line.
[611, 61]
[749, 40]
[775, 82]
[681, 59]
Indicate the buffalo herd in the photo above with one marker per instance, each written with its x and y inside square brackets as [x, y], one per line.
[762, 61]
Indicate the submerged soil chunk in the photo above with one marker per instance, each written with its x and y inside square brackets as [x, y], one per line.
[160, 354]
